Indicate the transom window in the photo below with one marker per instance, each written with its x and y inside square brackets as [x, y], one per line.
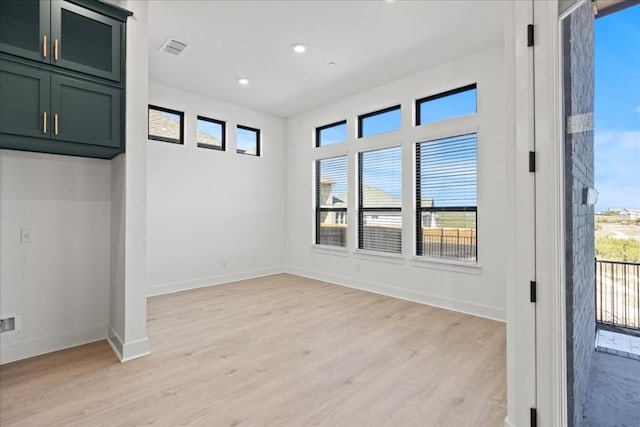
[247, 140]
[331, 134]
[381, 121]
[166, 125]
[447, 105]
[210, 133]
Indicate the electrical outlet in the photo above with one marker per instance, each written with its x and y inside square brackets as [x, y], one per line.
[8, 324]
[26, 235]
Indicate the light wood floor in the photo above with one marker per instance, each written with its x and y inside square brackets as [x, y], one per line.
[281, 350]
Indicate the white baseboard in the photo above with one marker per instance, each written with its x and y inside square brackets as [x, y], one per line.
[170, 288]
[128, 351]
[492, 313]
[37, 346]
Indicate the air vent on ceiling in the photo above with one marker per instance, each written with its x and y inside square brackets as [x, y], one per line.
[173, 46]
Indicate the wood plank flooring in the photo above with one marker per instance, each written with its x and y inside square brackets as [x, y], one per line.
[275, 351]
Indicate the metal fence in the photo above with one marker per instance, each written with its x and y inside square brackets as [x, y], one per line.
[618, 294]
[455, 243]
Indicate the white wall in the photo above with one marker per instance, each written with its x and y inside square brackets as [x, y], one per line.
[213, 216]
[128, 288]
[59, 283]
[477, 290]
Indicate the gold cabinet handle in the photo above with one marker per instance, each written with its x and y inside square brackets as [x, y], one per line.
[44, 122]
[56, 47]
[55, 124]
[44, 46]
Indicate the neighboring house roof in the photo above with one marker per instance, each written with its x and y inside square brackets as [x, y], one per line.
[161, 124]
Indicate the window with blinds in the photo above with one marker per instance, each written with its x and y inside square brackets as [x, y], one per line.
[331, 201]
[380, 200]
[446, 198]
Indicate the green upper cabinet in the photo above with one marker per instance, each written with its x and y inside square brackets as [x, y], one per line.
[85, 41]
[24, 28]
[25, 101]
[63, 33]
[85, 112]
[62, 87]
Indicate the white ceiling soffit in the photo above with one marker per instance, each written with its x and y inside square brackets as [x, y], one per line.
[370, 42]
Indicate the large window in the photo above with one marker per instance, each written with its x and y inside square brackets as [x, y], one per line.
[446, 105]
[380, 121]
[380, 200]
[247, 140]
[166, 125]
[331, 201]
[210, 133]
[331, 134]
[446, 198]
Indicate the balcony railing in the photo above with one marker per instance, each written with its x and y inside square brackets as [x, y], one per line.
[618, 294]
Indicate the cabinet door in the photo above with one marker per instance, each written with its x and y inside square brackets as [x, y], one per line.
[24, 28]
[24, 104]
[85, 112]
[85, 41]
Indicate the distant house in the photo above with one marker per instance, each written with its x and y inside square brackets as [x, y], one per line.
[162, 124]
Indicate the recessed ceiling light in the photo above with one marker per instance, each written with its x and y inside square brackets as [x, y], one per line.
[299, 48]
[331, 64]
[243, 81]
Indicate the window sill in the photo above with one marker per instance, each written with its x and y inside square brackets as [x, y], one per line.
[379, 256]
[446, 265]
[330, 250]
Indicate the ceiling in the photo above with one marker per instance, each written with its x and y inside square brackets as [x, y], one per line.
[370, 42]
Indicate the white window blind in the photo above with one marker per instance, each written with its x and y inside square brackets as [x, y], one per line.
[331, 201]
[446, 198]
[380, 200]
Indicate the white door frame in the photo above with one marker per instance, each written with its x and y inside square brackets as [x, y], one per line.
[536, 337]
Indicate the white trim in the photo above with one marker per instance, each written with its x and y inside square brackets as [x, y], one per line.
[330, 250]
[135, 349]
[128, 351]
[47, 344]
[447, 265]
[550, 319]
[378, 256]
[521, 349]
[493, 313]
[115, 342]
[203, 282]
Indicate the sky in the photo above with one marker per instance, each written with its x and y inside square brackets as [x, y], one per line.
[617, 110]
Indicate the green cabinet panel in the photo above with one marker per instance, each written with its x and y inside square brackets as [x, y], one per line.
[85, 41]
[85, 112]
[24, 100]
[24, 24]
